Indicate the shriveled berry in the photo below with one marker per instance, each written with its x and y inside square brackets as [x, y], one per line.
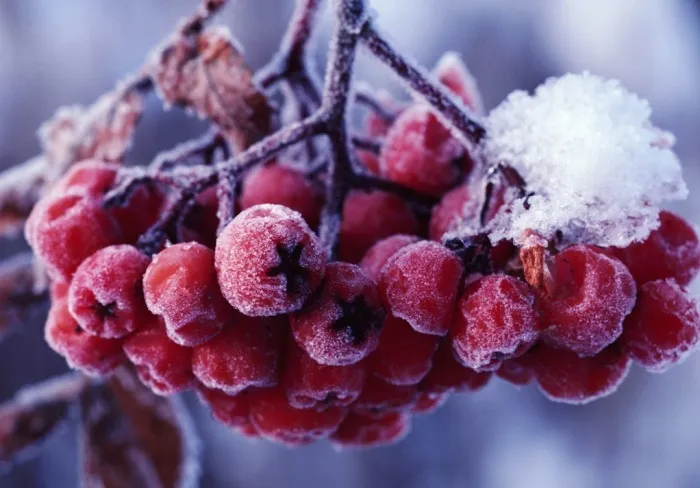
[664, 326]
[231, 410]
[447, 374]
[419, 284]
[378, 396]
[180, 285]
[106, 294]
[379, 254]
[363, 432]
[429, 402]
[495, 320]
[268, 261]
[592, 295]
[341, 325]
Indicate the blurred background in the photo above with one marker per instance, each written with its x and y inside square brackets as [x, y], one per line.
[54, 53]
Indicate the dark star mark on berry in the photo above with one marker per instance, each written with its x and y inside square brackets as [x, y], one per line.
[357, 319]
[105, 311]
[290, 266]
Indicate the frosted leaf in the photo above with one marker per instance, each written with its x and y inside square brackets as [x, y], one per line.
[596, 168]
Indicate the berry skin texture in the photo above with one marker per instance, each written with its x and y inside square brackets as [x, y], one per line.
[517, 371]
[162, 365]
[92, 355]
[378, 255]
[281, 185]
[664, 326]
[404, 355]
[565, 377]
[363, 432]
[106, 294]
[309, 384]
[453, 73]
[448, 375]
[279, 422]
[369, 217]
[419, 285]
[268, 261]
[379, 397]
[495, 320]
[457, 206]
[232, 411]
[246, 353]
[592, 295]
[201, 222]
[671, 251]
[341, 325]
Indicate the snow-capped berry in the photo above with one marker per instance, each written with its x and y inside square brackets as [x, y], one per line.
[106, 294]
[341, 325]
[664, 326]
[453, 73]
[447, 374]
[162, 365]
[92, 355]
[67, 229]
[419, 284]
[359, 431]
[404, 355]
[671, 251]
[379, 254]
[565, 377]
[370, 216]
[232, 411]
[201, 221]
[419, 152]
[495, 320]
[245, 353]
[592, 295]
[268, 261]
[429, 402]
[378, 396]
[309, 384]
[276, 420]
[180, 285]
[456, 207]
[518, 371]
[282, 185]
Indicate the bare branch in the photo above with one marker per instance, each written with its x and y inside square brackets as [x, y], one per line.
[20, 188]
[17, 291]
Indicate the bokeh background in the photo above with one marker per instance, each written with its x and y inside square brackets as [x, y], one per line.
[54, 53]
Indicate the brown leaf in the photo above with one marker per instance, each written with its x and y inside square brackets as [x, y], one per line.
[533, 254]
[131, 437]
[17, 291]
[20, 188]
[206, 73]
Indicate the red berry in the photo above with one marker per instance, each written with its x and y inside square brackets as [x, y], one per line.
[379, 254]
[309, 384]
[269, 261]
[201, 221]
[232, 411]
[59, 290]
[161, 364]
[369, 160]
[279, 422]
[419, 285]
[404, 355]
[495, 320]
[671, 251]
[429, 402]
[518, 371]
[106, 294]
[369, 217]
[180, 285]
[456, 207]
[447, 374]
[245, 353]
[663, 327]
[592, 295]
[378, 396]
[361, 431]
[282, 185]
[453, 73]
[91, 176]
[341, 325]
[563, 376]
[92, 355]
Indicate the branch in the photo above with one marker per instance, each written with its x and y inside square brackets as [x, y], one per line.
[20, 188]
[17, 291]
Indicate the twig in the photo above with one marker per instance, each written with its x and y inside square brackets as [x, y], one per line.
[18, 292]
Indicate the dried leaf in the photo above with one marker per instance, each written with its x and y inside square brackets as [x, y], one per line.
[206, 73]
[533, 255]
[17, 291]
[131, 437]
[20, 188]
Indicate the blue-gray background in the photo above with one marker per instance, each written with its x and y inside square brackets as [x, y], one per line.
[57, 52]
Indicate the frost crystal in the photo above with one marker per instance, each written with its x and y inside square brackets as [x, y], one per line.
[594, 165]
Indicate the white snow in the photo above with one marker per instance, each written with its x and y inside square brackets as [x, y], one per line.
[598, 170]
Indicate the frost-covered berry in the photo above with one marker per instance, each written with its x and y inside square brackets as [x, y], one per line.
[369, 217]
[268, 261]
[90, 176]
[517, 371]
[359, 431]
[420, 283]
[282, 185]
[309, 384]
[246, 353]
[671, 251]
[232, 411]
[162, 365]
[453, 73]
[429, 402]
[496, 319]
[565, 377]
[447, 374]
[92, 355]
[456, 207]
[106, 294]
[341, 325]
[379, 254]
[664, 326]
[378, 396]
[201, 222]
[180, 285]
[276, 420]
[592, 295]
[404, 355]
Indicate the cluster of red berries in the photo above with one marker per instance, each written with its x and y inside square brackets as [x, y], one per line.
[286, 346]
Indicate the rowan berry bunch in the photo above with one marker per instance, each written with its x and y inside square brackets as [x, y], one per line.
[334, 291]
